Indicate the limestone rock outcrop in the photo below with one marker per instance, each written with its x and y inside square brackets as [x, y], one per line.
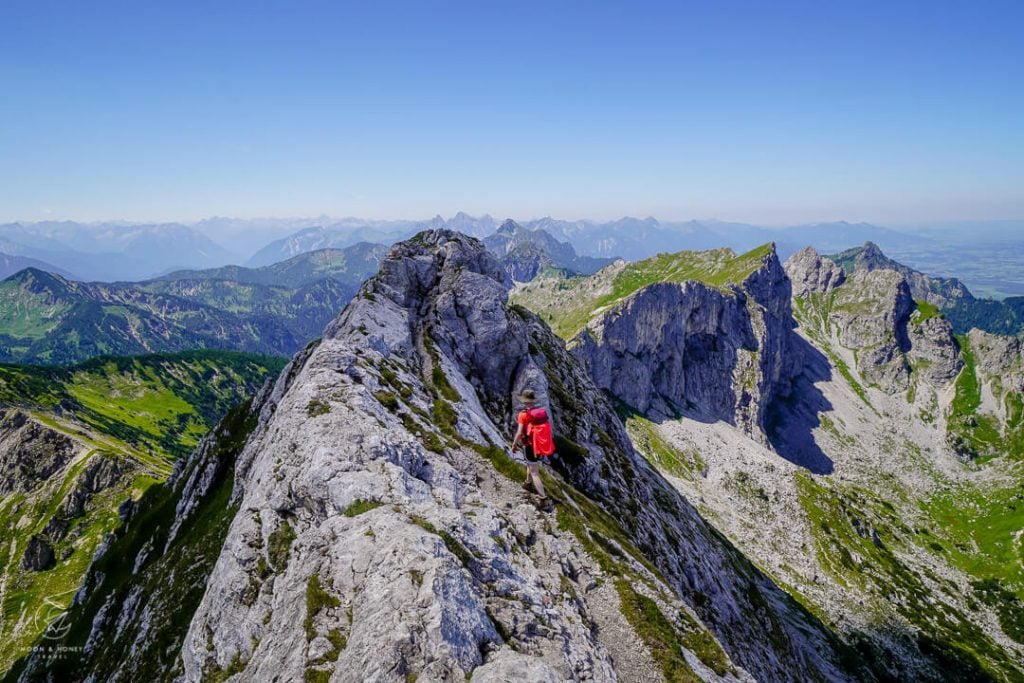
[99, 474]
[872, 312]
[376, 530]
[38, 555]
[810, 272]
[711, 352]
[935, 290]
[999, 356]
[30, 453]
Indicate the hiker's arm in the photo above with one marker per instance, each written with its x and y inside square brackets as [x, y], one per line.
[519, 435]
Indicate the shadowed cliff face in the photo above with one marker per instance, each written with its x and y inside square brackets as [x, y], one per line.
[711, 353]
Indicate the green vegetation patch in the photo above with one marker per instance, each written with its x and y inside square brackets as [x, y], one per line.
[162, 403]
[659, 452]
[317, 407]
[279, 545]
[360, 506]
[980, 526]
[503, 463]
[592, 526]
[454, 546]
[386, 399]
[971, 434]
[926, 311]
[317, 600]
[657, 633]
[1008, 606]
[854, 559]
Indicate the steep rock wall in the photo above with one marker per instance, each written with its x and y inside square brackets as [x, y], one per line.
[713, 353]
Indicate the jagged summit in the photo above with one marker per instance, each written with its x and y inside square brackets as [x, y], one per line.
[939, 291]
[508, 227]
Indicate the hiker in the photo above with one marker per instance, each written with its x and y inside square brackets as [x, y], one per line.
[534, 434]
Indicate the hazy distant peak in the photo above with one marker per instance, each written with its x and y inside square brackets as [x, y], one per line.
[509, 226]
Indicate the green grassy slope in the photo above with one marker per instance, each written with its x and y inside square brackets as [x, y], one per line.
[138, 414]
[567, 305]
[173, 581]
[971, 523]
[875, 566]
[276, 310]
[162, 403]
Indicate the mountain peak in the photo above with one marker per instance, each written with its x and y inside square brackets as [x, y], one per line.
[429, 259]
[509, 226]
[38, 279]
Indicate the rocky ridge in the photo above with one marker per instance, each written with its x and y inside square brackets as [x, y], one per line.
[435, 321]
[938, 291]
[373, 484]
[372, 475]
[872, 314]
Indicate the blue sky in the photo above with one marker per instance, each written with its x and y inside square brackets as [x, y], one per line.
[756, 111]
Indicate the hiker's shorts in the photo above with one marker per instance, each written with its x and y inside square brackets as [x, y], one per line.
[528, 451]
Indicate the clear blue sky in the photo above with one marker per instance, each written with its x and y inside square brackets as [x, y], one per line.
[758, 111]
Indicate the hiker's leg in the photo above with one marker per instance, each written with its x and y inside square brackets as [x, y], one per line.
[534, 471]
[530, 460]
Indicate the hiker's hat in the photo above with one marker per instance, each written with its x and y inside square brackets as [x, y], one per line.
[528, 396]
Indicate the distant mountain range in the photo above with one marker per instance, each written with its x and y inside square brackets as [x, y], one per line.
[985, 255]
[46, 318]
[112, 251]
[628, 238]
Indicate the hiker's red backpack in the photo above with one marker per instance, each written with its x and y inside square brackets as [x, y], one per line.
[538, 428]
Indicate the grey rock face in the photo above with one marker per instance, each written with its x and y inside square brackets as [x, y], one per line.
[30, 453]
[38, 555]
[934, 354]
[415, 557]
[872, 312]
[812, 273]
[99, 474]
[999, 357]
[692, 348]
